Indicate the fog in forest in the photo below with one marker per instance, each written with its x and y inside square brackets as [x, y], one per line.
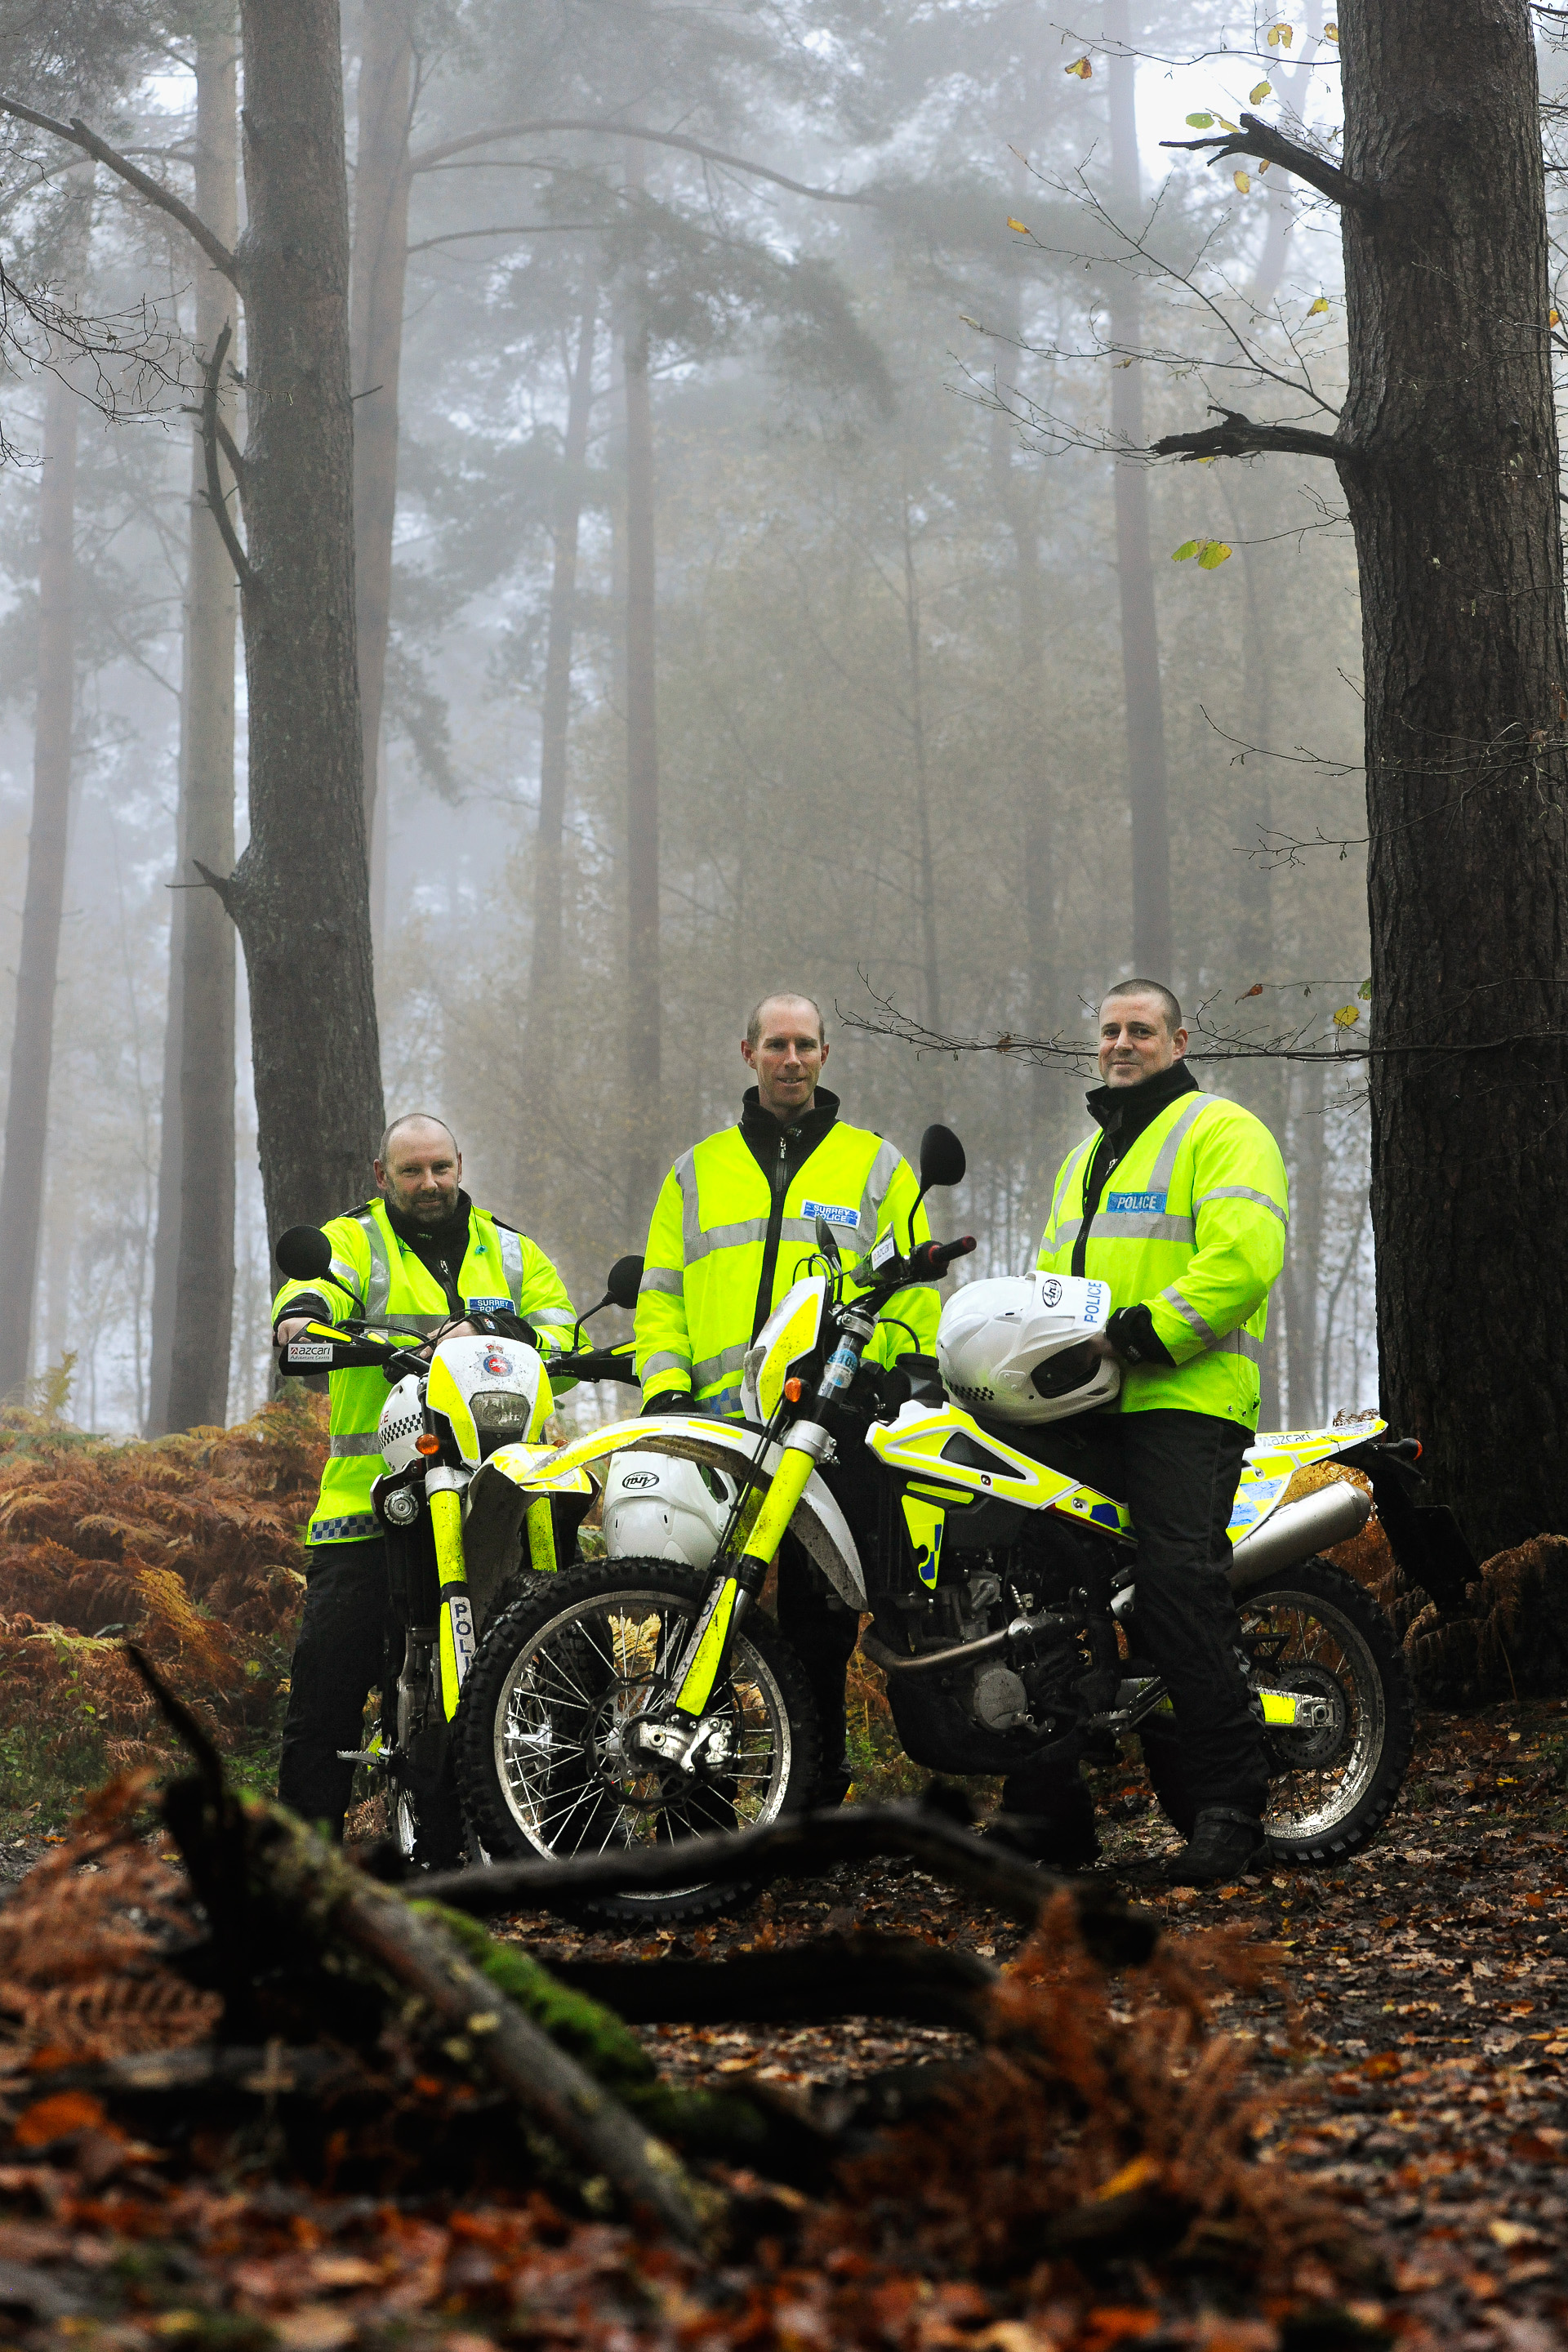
[909, 613]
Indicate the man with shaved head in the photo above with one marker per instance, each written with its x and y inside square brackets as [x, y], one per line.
[734, 1226]
[419, 1258]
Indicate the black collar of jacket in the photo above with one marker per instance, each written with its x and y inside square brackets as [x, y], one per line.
[1123, 1112]
[450, 1233]
[760, 1126]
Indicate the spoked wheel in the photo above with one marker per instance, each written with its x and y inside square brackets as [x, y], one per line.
[546, 1760]
[1313, 1633]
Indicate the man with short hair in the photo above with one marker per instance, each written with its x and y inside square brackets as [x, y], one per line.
[1177, 1200]
[412, 1260]
[734, 1226]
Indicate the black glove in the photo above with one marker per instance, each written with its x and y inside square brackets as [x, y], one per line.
[504, 1326]
[1131, 1333]
[668, 1400]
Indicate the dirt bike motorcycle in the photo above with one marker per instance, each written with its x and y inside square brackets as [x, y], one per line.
[452, 1402]
[630, 1700]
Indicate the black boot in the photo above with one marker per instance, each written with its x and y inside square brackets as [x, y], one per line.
[1225, 1844]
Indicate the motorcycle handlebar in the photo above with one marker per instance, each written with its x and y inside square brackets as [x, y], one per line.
[928, 1260]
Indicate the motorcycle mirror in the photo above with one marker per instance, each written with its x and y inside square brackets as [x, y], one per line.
[624, 1281]
[942, 1158]
[304, 1254]
[827, 1241]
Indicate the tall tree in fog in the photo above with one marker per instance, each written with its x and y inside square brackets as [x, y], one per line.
[193, 1267]
[1148, 788]
[382, 181]
[1448, 453]
[32, 1047]
[299, 895]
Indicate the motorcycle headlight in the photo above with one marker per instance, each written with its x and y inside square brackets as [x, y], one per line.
[501, 1412]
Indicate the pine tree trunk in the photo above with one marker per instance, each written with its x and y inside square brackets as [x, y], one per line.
[1042, 1016]
[375, 335]
[643, 1090]
[931, 961]
[1147, 782]
[1454, 498]
[549, 923]
[32, 1047]
[1248, 878]
[299, 894]
[193, 1267]
[1303, 1281]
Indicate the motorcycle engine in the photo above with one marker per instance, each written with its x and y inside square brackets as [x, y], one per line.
[989, 1715]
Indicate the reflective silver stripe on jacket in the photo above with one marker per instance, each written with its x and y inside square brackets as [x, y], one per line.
[1243, 1192]
[364, 1441]
[379, 1288]
[666, 1278]
[512, 1265]
[1165, 1165]
[552, 1318]
[349, 1277]
[879, 1177]
[714, 1368]
[1068, 1231]
[1238, 1342]
[664, 1361]
[700, 1244]
[1189, 1314]
[1141, 1226]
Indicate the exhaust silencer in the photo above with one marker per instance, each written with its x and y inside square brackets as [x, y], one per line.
[1329, 1516]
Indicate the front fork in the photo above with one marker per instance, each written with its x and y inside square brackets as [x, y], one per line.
[703, 1659]
[444, 1493]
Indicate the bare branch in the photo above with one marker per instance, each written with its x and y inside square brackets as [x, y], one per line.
[245, 571]
[1256, 138]
[1238, 437]
[430, 156]
[77, 132]
[231, 450]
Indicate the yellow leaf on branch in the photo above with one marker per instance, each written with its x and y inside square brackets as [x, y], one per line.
[1243, 181]
[1213, 552]
[1081, 67]
[1331, 32]
[1188, 547]
[1259, 92]
[1201, 122]
[1022, 226]
[1347, 1017]
[1318, 307]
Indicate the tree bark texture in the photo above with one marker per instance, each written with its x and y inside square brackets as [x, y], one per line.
[1147, 779]
[299, 895]
[32, 1046]
[643, 1025]
[1042, 1016]
[382, 181]
[1453, 492]
[931, 960]
[549, 922]
[193, 1268]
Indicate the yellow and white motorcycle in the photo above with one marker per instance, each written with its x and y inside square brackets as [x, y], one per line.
[631, 1700]
[453, 1546]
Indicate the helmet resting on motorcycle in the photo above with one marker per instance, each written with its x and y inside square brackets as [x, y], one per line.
[1016, 1347]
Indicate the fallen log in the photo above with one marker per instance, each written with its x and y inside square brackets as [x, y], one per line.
[254, 1863]
[861, 1975]
[807, 1845]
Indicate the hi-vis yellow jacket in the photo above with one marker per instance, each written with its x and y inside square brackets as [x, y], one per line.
[727, 1241]
[1191, 1223]
[502, 1273]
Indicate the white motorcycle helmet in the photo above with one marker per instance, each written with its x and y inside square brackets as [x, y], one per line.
[1014, 1347]
[658, 1507]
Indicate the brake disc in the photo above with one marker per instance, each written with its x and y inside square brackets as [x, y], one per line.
[1323, 1724]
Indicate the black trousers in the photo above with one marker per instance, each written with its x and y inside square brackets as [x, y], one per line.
[821, 1628]
[339, 1658]
[1177, 1473]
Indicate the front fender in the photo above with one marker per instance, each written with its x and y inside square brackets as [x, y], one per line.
[818, 1521]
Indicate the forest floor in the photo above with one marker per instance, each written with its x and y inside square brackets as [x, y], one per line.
[1422, 2032]
[1418, 2033]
